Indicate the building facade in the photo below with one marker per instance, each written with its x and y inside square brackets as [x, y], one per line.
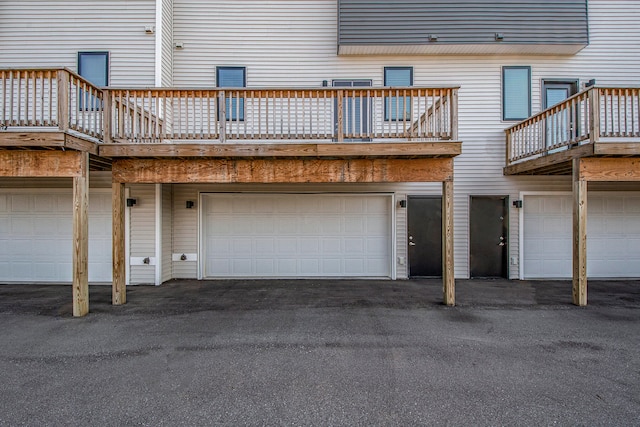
[321, 139]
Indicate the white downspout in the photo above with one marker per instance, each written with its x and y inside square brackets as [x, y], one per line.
[158, 50]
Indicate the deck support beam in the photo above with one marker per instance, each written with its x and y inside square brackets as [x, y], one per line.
[44, 164]
[118, 290]
[154, 171]
[81, 238]
[448, 280]
[579, 236]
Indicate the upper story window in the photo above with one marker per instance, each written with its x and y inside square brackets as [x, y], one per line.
[232, 77]
[516, 92]
[398, 107]
[93, 66]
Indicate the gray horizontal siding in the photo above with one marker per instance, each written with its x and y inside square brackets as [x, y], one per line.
[378, 22]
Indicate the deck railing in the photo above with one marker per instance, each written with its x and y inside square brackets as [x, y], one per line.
[58, 99]
[354, 114]
[50, 99]
[598, 114]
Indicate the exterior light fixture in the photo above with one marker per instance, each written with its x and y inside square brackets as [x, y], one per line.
[499, 37]
[131, 202]
[433, 38]
[190, 204]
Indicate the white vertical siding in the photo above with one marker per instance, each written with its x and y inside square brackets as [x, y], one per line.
[185, 229]
[288, 42]
[50, 34]
[142, 232]
[167, 235]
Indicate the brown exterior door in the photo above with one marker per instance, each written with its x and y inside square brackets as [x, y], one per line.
[424, 217]
[488, 246]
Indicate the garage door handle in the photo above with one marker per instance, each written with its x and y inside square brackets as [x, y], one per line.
[411, 244]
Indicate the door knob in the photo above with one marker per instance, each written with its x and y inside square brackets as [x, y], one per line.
[411, 244]
[501, 244]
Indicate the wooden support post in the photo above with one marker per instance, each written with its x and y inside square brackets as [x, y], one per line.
[118, 290]
[579, 236]
[454, 114]
[222, 116]
[594, 115]
[81, 239]
[107, 115]
[340, 114]
[448, 281]
[63, 100]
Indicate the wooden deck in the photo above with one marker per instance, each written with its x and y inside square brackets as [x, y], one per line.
[594, 136]
[601, 122]
[57, 109]
[53, 123]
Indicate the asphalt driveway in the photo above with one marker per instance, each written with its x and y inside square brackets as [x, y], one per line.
[322, 353]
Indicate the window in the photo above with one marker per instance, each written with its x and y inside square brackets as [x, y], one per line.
[398, 108]
[93, 66]
[232, 77]
[516, 93]
[356, 118]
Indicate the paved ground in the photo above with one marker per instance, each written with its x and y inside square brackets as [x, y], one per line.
[322, 353]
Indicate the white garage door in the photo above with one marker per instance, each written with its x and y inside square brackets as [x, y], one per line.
[36, 235]
[296, 235]
[613, 236]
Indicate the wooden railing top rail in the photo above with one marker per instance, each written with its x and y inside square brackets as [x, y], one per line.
[52, 69]
[598, 114]
[546, 112]
[566, 103]
[374, 89]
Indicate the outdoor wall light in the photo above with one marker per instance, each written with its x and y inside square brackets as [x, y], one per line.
[402, 203]
[190, 204]
[499, 37]
[517, 204]
[131, 202]
[433, 38]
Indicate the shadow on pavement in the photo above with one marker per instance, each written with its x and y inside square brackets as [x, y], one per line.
[188, 296]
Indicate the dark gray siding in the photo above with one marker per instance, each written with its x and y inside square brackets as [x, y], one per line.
[410, 22]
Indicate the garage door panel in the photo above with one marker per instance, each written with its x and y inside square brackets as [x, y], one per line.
[355, 246]
[36, 236]
[331, 245]
[297, 235]
[377, 246]
[354, 266]
[310, 247]
[264, 246]
[20, 203]
[354, 226]
[613, 236]
[376, 266]
[286, 246]
[632, 205]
